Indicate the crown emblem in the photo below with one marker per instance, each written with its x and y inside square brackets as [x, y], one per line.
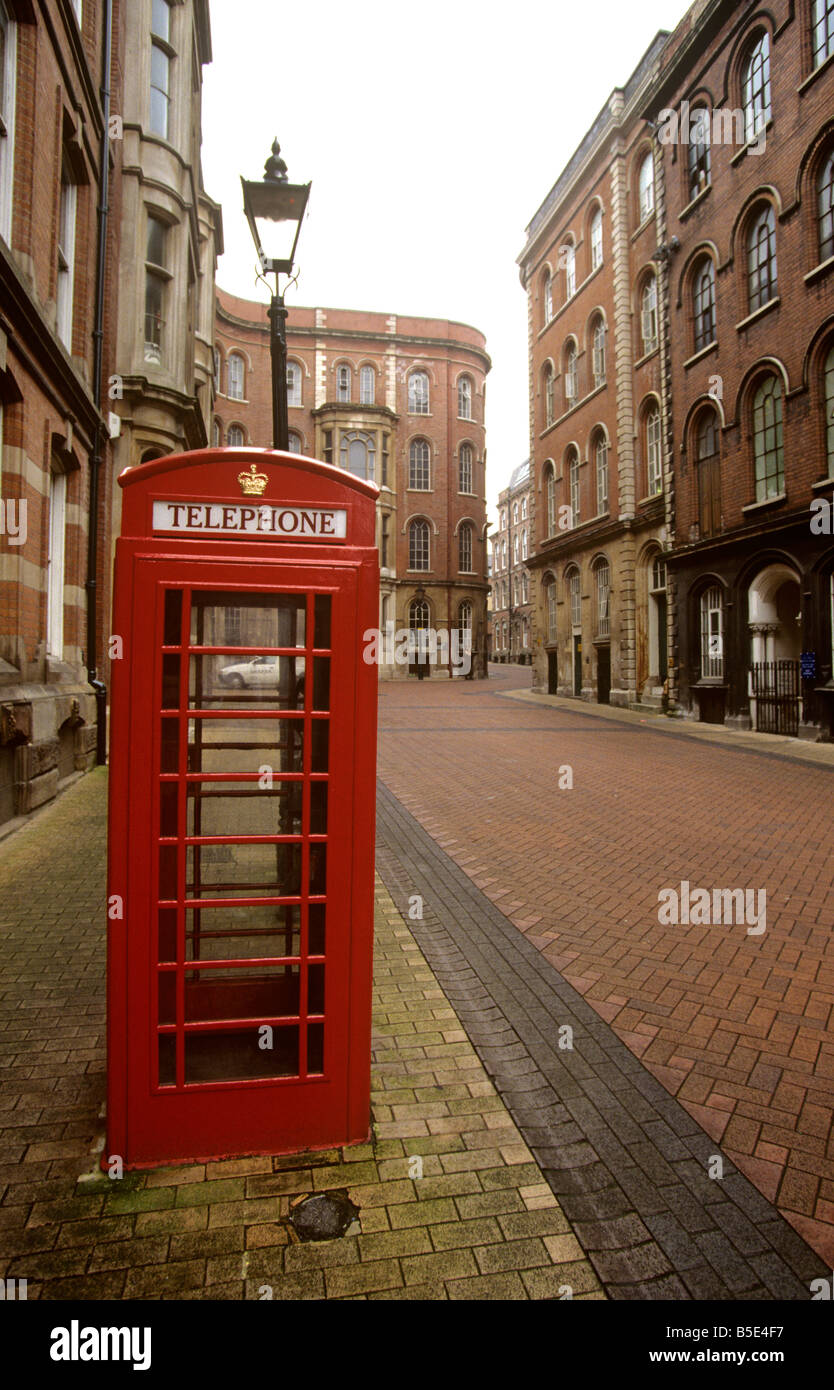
[253, 483]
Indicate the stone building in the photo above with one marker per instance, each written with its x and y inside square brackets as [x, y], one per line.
[599, 495]
[510, 577]
[399, 401]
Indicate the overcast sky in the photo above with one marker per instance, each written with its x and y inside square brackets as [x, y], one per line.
[431, 132]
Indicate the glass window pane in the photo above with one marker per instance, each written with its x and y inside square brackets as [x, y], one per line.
[161, 19]
[236, 1055]
[257, 931]
[245, 745]
[244, 808]
[243, 871]
[227, 680]
[266, 620]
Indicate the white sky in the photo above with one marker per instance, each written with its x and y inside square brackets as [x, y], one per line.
[431, 132]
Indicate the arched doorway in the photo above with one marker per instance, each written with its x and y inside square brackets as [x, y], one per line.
[774, 605]
[419, 622]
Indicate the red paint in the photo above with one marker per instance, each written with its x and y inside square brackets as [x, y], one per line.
[241, 832]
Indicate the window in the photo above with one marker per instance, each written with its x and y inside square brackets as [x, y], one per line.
[216, 433]
[602, 579]
[649, 315]
[515, 550]
[367, 386]
[465, 468]
[524, 544]
[654, 462]
[547, 295]
[525, 587]
[465, 548]
[823, 31]
[384, 539]
[550, 493]
[418, 615]
[384, 468]
[571, 382]
[56, 560]
[712, 635]
[66, 259]
[829, 410]
[599, 353]
[235, 438]
[465, 627]
[216, 362]
[548, 394]
[646, 187]
[78, 6]
[761, 259]
[550, 602]
[596, 239]
[570, 270]
[767, 439]
[8, 74]
[465, 398]
[161, 56]
[235, 376]
[418, 393]
[358, 455]
[418, 545]
[699, 152]
[825, 193]
[755, 88]
[327, 446]
[573, 478]
[343, 383]
[419, 472]
[515, 513]
[575, 590]
[703, 294]
[524, 509]
[294, 380]
[602, 474]
[709, 473]
[658, 574]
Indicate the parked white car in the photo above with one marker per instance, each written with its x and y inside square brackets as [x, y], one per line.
[260, 671]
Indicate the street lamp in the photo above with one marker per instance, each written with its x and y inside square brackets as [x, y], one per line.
[275, 210]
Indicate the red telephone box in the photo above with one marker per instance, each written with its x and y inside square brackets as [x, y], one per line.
[241, 829]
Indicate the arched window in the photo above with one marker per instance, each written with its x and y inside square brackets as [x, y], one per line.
[703, 303]
[465, 469]
[823, 31]
[465, 398]
[465, 626]
[418, 545]
[825, 196]
[573, 483]
[601, 458]
[515, 513]
[547, 296]
[367, 386]
[755, 87]
[709, 472]
[550, 597]
[293, 384]
[651, 444]
[235, 376]
[357, 455]
[216, 433]
[599, 352]
[828, 391]
[550, 497]
[575, 591]
[419, 469]
[343, 382]
[648, 314]
[596, 239]
[761, 259]
[465, 548]
[569, 256]
[294, 442]
[712, 635]
[646, 187]
[767, 439]
[418, 393]
[524, 544]
[602, 585]
[524, 509]
[571, 375]
[418, 615]
[547, 376]
[235, 437]
[699, 152]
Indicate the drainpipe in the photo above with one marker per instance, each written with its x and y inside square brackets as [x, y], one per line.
[99, 441]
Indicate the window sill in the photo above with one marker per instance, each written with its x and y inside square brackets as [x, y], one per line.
[775, 501]
[568, 302]
[655, 497]
[751, 144]
[812, 77]
[647, 357]
[418, 414]
[693, 203]
[820, 271]
[701, 354]
[421, 491]
[467, 420]
[758, 313]
[647, 221]
[823, 485]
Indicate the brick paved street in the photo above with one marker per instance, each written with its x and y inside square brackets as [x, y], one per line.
[737, 1027]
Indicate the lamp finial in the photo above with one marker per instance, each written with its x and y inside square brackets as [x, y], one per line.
[275, 168]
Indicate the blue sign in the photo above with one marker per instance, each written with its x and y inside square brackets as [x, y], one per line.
[808, 666]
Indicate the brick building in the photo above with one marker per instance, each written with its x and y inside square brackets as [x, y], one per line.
[510, 578]
[598, 495]
[751, 356]
[59, 288]
[399, 401]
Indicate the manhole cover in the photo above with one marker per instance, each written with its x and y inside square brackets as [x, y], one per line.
[324, 1217]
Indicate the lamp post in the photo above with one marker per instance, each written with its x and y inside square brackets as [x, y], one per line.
[275, 210]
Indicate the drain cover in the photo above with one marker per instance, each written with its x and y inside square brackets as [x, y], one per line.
[324, 1217]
